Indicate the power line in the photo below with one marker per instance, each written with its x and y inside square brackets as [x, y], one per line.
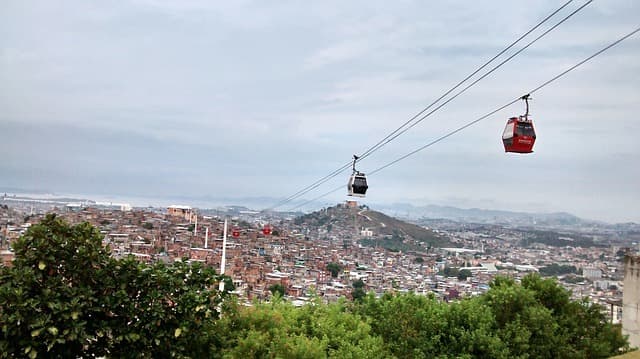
[469, 124]
[391, 136]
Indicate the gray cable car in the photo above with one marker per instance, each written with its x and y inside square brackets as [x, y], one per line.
[357, 185]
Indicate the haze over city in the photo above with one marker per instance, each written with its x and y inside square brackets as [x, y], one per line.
[166, 99]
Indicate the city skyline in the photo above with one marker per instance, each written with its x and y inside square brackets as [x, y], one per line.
[169, 98]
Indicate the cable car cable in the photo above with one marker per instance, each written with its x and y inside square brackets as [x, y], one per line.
[509, 103]
[449, 134]
[310, 187]
[480, 78]
[317, 198]
[380, 143]
[388, 138]
[399, 131]
[586, 60]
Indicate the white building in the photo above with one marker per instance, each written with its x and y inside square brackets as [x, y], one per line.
[591, 273]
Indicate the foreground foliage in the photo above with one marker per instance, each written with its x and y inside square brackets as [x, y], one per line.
[280, 330]
[533, 319]
[67, 297]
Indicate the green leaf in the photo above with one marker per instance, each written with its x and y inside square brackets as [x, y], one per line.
[53, 330]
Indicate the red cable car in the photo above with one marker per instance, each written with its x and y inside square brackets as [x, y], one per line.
[519, 135]
[235, 233]
[266, 230]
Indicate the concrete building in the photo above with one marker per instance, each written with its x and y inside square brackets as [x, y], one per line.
[631, 300]
[591, 273]
[185, 212]
[366, 233]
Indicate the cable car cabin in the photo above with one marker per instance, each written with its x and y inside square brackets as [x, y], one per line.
[266, 230]
[519, 136]
[357, 185]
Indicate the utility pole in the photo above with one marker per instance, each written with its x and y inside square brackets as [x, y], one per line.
[223, 261]
[195, 228]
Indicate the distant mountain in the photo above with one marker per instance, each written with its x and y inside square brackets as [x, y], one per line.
[386, 231]
[489, 216]
[399, 210]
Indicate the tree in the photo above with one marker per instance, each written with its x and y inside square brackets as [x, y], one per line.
[279, 330]
[538, 319]
[463, 274]
[535, 319]
[277, 288]
[65, 296]
[450, 272]
[52, 291]
[415, 326]
[334, 268]
[358, 290]
[556, 269]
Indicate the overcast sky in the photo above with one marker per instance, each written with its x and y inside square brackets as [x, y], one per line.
[236, 99]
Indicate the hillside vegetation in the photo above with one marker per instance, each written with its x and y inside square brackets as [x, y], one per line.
[406, 230]
[556, 239]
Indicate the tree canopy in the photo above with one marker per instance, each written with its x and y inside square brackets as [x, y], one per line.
[277, 288]
[334, 269]
[66, 296]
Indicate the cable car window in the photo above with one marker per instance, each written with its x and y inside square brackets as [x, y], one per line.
[508, 131]
[360, 182]
[525, 129]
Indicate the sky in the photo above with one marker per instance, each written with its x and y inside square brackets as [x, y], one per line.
[259, 99]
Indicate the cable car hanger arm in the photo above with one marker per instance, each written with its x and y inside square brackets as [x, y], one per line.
[526, 99]
[355, 159]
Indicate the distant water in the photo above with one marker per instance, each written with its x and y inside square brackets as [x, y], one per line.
[134, 201]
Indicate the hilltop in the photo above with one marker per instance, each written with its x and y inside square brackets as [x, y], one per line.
[372, 228]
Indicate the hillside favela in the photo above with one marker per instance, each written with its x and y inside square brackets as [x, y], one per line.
[361, 179]
[345, 260]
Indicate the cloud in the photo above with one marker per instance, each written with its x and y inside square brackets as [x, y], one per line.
[257, 98]
[336, 53]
